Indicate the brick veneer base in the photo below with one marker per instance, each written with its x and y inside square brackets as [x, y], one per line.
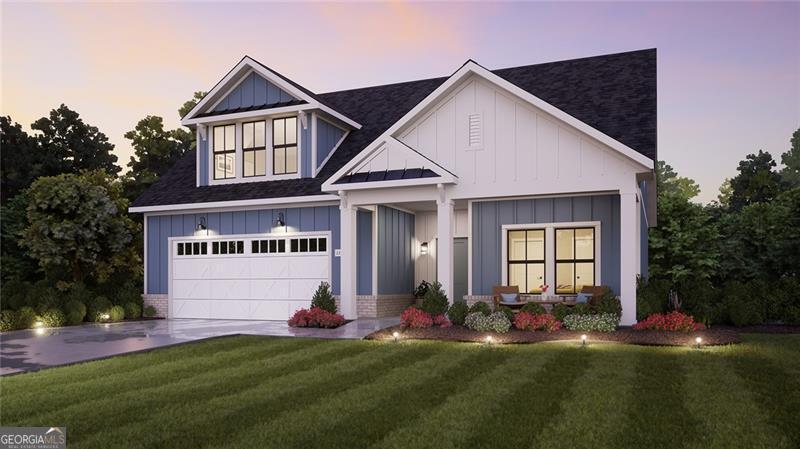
[478, 298]
[160, 302]
[380, 306]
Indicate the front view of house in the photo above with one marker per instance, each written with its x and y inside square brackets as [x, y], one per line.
[528, 176]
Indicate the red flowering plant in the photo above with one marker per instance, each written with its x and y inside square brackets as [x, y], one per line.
[673, 321]
[536, 322]
[441, 321]
[415, 318]
[316, 317]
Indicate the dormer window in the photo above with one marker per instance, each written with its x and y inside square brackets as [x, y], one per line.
[254, 149]
[284, 146]
[225, 152]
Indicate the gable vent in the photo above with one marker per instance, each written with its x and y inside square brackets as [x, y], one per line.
[475, 131]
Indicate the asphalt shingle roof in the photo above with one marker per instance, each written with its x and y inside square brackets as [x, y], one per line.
[615, 94]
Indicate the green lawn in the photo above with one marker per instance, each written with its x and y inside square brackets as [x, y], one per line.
[286, 393]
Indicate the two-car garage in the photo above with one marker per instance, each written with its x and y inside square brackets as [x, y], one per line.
[258, 277]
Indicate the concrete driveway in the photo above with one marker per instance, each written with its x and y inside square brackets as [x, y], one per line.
[29, 350]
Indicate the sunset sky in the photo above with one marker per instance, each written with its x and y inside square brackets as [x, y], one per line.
[728, 73]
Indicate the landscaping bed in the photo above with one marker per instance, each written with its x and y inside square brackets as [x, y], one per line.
[627, 335]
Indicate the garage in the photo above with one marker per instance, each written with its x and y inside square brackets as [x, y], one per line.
[248, 277]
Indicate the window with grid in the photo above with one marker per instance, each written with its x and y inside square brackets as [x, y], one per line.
[224, 152]
[574, 259]
[526, 259]
[284, 146]
[254, 149]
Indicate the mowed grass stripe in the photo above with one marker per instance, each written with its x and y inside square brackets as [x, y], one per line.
[480, 400]
[94, 414]
[147, 377]
[193, 425]
[400, 406]
[288, 430]
[658, 417]
[595, 407]
[726, 410]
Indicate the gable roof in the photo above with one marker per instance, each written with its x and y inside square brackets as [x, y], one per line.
[616, 94]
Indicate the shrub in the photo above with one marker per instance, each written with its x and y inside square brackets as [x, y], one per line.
[323, 298]
[458, 312]
[673, 321]
[533, 308]
[536, 322]
[745, 311]
[651, 297]
[792, 315]
[481, 307]
[116, 313]
[53, 318]
[14, 293]
[315, 317]
[132, 311]
[81, 294]
[98, 308]
[507, 312]
[8, 320]
[601, 322]
[560, 311]
[149, 311]
[422, 289]
[435, 301]
[496, 322]
[42, 296]
[441, 321]
[74, 312]
[26, 316]
[415, 318]
[606, 303]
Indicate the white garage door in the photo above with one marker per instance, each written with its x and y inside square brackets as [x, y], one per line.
[246, 277]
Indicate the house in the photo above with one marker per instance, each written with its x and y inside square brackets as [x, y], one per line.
[532, 175]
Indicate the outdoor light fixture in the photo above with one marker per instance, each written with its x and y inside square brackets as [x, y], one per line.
[423, 249]
[396, 336]
[583, 339]
[105, 316]
[38, 324]
[698, 341]
[488, 339]
[39, 331]
[279, 222]
[201, 225]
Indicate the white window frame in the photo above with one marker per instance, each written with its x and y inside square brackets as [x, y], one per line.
[549, 249]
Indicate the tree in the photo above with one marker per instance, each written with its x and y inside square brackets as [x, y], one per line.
[191, 103]
[16, 264]
[18, 159]
[72, 145]
[791, 161]
[155, 151]
[757, 182]
[669, 183]
[79, 223]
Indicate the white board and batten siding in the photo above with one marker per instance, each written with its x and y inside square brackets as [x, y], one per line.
[246, 285]
[499, 144]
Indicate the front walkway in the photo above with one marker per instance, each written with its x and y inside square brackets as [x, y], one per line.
[26, 350]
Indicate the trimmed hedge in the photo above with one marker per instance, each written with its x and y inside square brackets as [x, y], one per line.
[75, 312]
[132, 311]
[601, 322]
[53, 318]
[496, 322]
[481, 307]
[116, 313]
[150, 311]
[458, 312]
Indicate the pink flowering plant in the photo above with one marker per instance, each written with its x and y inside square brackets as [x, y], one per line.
[419, 319]
[316, 317]
[536, 322]
[673, 321]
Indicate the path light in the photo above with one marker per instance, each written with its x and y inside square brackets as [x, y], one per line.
[39, 331]
[105, 316]
[698, 341]
[396, 336]
[38, 324]
[488, 339]
[583, 339]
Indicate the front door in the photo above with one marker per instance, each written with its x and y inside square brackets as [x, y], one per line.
[459, 268]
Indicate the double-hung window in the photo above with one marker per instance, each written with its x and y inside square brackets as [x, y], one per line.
[254, 149]
[284, 146]
[225, 152]
[526, 259]
[575, 258]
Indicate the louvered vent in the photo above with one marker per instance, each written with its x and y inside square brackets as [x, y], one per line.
[475, 131]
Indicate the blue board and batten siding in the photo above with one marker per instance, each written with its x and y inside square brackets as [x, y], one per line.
[364, 252]
[298, 219]
[395, 251]
[305, 148]
[202, 156]
[328, 136]
[488, 217]
[253, 91]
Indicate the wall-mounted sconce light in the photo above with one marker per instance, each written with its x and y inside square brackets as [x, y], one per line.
[423, 249]
[201, 224]
[279, 222]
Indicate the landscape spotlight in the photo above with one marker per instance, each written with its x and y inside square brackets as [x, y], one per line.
[38, 324]
[698, 341]
[39, 331]
[105, 316]
[396, 336]
[583, 339]
[488, 339]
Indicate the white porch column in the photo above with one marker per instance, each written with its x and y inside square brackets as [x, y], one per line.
[628, 260]
[347, 258]
[444, 243]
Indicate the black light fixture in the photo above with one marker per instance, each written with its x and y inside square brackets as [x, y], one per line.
[423, 249]
[201, 224]
[279, 222]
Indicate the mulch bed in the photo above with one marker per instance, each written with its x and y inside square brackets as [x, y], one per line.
[627, 335]
[764, 329]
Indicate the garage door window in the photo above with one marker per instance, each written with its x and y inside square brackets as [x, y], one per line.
[309, 245]
[192, 248]
[268, 246]
[228, 247]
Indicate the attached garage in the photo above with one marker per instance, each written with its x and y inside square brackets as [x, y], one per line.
[247, 277]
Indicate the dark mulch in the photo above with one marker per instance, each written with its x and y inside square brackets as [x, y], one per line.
[623, 335]
[764, 329]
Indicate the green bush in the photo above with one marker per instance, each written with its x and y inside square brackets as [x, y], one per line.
[116, 313]
[600, 322]
[26, 316]
[698, 299]
[481, 307]
[132, 311]
[792, 315]
[80, 294]
[150, 311]
[323, 298]
[74, 312]
[42, 296]
[53, 318]
[607, 303]
[13, 293]
[98, 309]
[435, 301]
[651, 297]
[458, 312]
[533, 308]
[8, 320]
[560, 311]
[496, 322]
[745, 312]
[507, 312]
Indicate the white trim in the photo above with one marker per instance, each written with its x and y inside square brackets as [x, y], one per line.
[469, 247]
[144, 254]
[386, 184]
[197, 157]
[375, 250]
[545, 196]
[313, 144]
[550, 247]
[297, 201]
[244, 116]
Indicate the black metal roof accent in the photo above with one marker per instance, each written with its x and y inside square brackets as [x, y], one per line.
[387, 175]
[265, 107]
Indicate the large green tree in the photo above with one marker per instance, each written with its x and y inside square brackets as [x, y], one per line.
[756, 182]
[20, 159]
[74, 145]
[791, 161]
[191, 103]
